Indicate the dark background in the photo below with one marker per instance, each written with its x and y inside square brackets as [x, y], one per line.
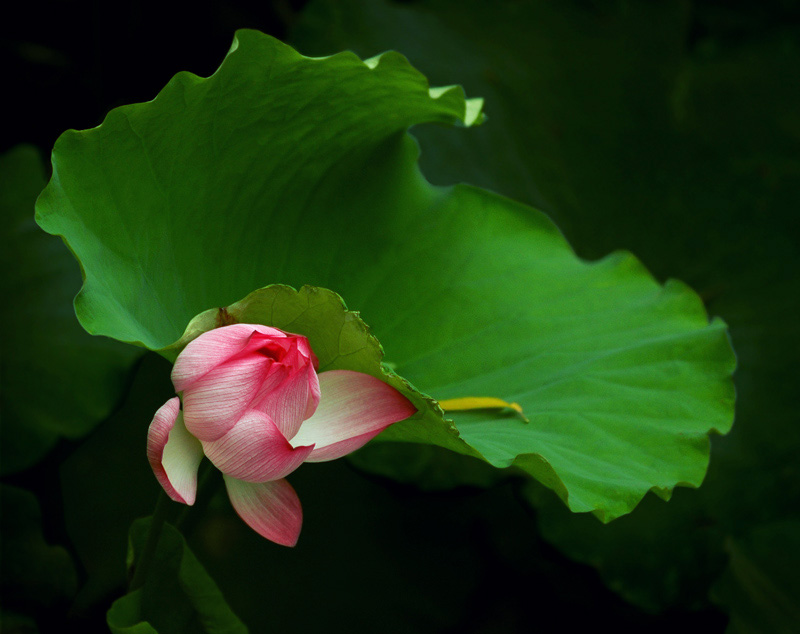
[392, 558]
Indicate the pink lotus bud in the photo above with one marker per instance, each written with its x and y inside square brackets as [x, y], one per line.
[254, 404]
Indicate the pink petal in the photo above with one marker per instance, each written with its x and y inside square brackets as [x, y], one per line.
[290, 402]
[313, 392]
[213, 348]
[214, 403]
[271, 509]
[255, 450]
[305, 349]
[174, 454]
[353, 408]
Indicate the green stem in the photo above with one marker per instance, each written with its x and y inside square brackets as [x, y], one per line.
[153, 535]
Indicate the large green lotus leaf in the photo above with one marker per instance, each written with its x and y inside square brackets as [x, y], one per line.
[177, 596]
[637, 132]
[239, 173]
[56, 380]
[283, 168]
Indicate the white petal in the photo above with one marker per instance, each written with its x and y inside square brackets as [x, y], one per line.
[353, 408]
[174, 454]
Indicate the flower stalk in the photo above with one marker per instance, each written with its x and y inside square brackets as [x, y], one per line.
[141, 566]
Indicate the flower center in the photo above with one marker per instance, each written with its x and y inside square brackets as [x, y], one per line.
[273, 351]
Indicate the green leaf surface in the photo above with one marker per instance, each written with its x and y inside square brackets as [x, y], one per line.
[233, 159]
[282, 168]
[177, 597]
[44, 349]
[668, 128]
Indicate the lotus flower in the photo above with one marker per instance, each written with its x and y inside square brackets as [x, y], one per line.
[255, 406]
